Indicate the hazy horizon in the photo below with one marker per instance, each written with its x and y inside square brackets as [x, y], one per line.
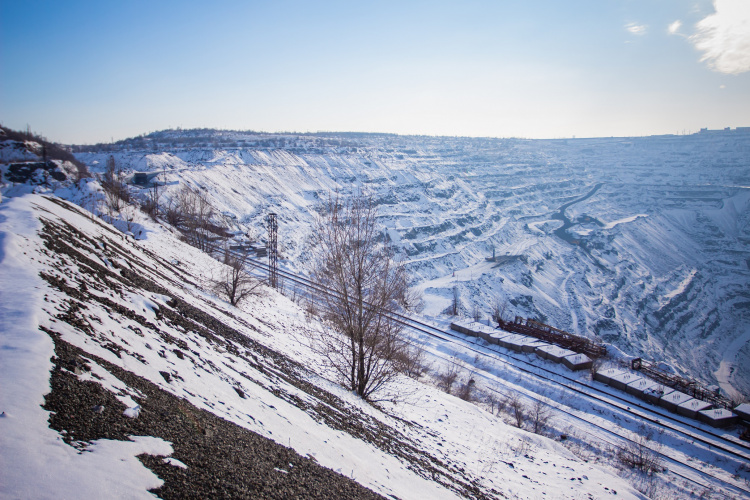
[359, 132]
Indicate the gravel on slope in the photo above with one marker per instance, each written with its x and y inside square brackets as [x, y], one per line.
[73, 271]
[223, 460]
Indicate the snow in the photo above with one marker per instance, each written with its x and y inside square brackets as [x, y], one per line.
[132, 412]
[624, 220]
[453, 429]
[174, 462]
[34, 461]
[681, 286]
[659, 261]
[101, 376]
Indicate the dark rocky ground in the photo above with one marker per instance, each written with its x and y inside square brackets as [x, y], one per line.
[223, 460]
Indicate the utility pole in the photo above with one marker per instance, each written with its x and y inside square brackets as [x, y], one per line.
[272, 247]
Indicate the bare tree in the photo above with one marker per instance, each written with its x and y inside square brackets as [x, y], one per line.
[411, 361]
[539, 415]
[310, 308]
[82, 172]
[197, 212]
[497, 402]
[639, 453]
[517, 408]
[466, 390]
[234, 282]
[595, 367]
[456, 302]
[151, 204]
[366, 287]
[476, 312]
[498, 309]
[129, 217]
[115, 190]
[448, 378]
[173, 213]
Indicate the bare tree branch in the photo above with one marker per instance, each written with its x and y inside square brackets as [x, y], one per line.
[115, 190]
[540, 415]
[517, 408]
[363, 344]
[235, 283]
[498, 309]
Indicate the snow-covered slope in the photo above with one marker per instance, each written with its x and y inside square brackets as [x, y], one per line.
[117, 337]
[640, 241]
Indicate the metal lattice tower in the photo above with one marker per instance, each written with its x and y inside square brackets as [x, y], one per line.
[272, 247]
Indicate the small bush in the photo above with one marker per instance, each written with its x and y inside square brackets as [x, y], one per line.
[466, 391]
[637, 454]
[411, 362]
[517, 409]
[447, 379]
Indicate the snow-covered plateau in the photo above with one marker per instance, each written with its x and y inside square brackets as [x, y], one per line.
[123, 376]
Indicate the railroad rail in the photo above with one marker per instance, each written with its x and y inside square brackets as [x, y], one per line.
[639, 412]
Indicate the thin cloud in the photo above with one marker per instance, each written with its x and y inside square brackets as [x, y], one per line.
[674, 27]
[724, 37]
[636, 29]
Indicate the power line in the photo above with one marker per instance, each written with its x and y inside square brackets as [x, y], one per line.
[272, 247]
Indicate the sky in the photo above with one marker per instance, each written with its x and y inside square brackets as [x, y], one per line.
[81, 72]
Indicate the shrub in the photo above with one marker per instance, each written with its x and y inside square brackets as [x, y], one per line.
[637, 454]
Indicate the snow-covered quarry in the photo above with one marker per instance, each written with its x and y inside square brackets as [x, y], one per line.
[66, 275]
[642, 242]
[123, 376]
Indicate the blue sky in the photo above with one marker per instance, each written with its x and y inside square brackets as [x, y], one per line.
[85, 72]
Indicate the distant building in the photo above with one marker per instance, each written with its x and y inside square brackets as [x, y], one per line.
[143, 178]
[743, 130]
[140, 178]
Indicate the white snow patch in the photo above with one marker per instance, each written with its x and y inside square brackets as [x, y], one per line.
[174, 462]
[681, 287]
[624, 220]
[34, 461]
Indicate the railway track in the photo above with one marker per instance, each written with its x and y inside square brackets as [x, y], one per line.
[624, 440]
[586, 429]
[648, 413]
[638, 412]
[710, 440]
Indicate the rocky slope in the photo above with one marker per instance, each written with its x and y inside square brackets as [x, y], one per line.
[112, 348]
